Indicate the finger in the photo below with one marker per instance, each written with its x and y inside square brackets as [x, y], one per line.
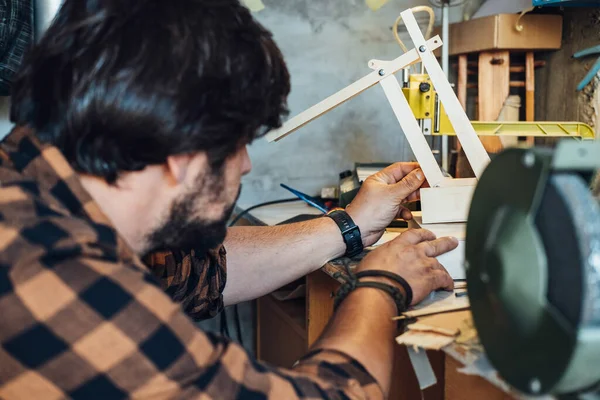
[404, 213]
[395, 172]
[415, 236]
[442, 279]
[435, 248]
[438, 275]
[409, 184]
[414, 196]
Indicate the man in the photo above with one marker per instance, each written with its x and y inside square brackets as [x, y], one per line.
[132, 119]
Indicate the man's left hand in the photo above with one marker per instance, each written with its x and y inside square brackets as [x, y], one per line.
[379, 199]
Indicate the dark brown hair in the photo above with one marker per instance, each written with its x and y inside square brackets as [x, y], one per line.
[118, 85]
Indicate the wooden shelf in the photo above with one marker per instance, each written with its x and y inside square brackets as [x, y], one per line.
[282, 334]
[292, 311]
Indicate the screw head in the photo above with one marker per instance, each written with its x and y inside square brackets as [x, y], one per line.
[381, 72]
[529, 160]
[535, 385]
[424, 87]
[422, 49]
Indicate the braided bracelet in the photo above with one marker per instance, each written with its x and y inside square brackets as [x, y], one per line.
[352, 282]
[390, 275]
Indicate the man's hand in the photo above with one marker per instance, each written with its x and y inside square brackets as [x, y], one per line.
[412, 255]
[378, 200]
[362, 326]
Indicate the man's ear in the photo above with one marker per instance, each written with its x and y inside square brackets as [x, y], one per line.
[177, 167]
[182, 167]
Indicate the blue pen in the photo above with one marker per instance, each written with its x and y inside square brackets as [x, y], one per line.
[310, 200]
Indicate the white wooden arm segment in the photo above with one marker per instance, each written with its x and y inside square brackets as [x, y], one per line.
[391, 67]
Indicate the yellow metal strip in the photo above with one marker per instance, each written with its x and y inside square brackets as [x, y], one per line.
[536, 129]
[542, 129]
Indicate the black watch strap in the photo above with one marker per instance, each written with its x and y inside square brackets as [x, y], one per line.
[350, 232]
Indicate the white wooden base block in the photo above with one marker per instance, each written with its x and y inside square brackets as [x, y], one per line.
[454, 260]
[446, 204]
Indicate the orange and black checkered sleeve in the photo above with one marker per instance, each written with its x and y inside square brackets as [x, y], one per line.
[89, 327]
[196, 281]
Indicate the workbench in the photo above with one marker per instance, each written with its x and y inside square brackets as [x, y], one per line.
[286, 329]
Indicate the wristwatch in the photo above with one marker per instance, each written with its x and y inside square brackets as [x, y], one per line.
[350, 232]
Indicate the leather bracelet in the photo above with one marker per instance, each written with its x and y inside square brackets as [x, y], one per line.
[350, 232]
[393, 291]
[352, 282]
[390, 275]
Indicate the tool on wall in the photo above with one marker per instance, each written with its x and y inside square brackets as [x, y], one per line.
[595, 68]
[583, 3]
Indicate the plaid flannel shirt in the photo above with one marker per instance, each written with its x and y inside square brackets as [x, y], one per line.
[82, 317]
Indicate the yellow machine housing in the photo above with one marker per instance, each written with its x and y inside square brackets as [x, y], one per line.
[424, 102]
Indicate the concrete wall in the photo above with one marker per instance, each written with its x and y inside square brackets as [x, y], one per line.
[327, 45]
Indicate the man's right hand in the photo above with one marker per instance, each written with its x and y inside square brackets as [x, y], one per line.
[412, 255]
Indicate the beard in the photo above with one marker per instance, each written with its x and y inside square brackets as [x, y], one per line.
[182, 231]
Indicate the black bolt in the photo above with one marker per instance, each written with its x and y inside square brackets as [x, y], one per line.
[424, 87]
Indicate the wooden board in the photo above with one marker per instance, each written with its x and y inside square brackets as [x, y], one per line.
[497, 32]
[450, 321]
[319, 303]
[405, 385]
[454, 260]
[424, 340]
[446, 204]
[469, 387]
[462, 81]
[494, 88]
[279, 342]
[529, 87]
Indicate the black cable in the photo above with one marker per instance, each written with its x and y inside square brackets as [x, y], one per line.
[236, 312]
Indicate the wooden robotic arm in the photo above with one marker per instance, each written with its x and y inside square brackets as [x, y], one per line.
[448, 199]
